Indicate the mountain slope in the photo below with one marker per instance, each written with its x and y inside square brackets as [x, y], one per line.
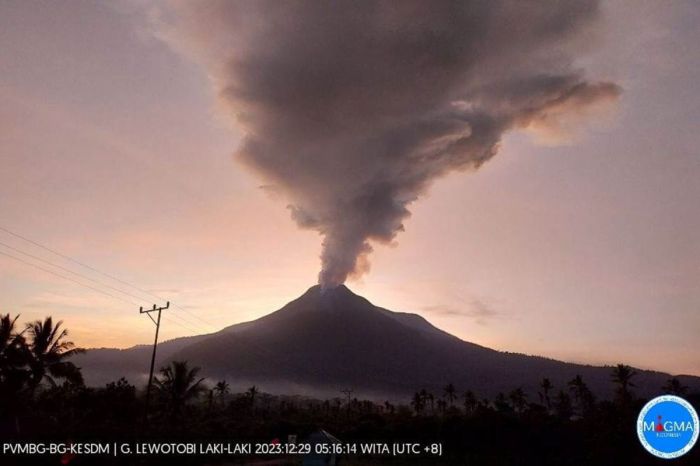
[324, 341]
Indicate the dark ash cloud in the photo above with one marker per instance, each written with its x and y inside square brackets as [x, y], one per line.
[352, 109]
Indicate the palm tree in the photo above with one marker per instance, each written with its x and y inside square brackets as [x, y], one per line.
[546, 386]
[14, 371]
[470, 402]
[562, 405]
[252, 393]
[582, 394]
[622, 375]
[222, 389]
[178, 384]
[675, 387]
[418, 402]
[9, 338]
[14, 356]
[484, 403]
[450, 393]
[49, 350]
[389, 408]
[518, 399]
[430, 398]
[500, 403]
[577, 386]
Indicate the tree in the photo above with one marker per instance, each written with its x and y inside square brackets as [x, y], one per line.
[675, 387]
[428, 398]
[501, 403]
[121, 389]
[442, 405]
[546, 386]
[622, 375]
[562, 405]
[14, 372]
[251, 394]
[470, 402]
[518, 400]
[418, 402]
[583, 397]
[389, 408]
[118, 401]
[14, 357]
[222, 389]
[48, 351]
[450, 394]
[178, 384]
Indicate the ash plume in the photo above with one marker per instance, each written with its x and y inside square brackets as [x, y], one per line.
[352, 109]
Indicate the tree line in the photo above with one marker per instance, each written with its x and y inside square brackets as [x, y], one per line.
[575, 399]
[43, 395]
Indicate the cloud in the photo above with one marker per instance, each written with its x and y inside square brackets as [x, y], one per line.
[352, 109]
[476, 309]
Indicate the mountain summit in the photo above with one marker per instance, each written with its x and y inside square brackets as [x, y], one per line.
[331, 339]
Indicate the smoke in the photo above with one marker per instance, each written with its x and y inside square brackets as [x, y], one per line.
[351, 109]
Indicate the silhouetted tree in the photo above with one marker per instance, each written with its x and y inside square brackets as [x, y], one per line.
[14, 357]
[583, 397]
[501, 404]
[389, 408]
[442, 406]
[119, 401]
[49, 350]
[675, 387]
[622, 375]
[251, 394]
[428, 399]
[121, 389]
[450, 393]
[418, 402]
[562, 405]
[484, 403]
[177, 385]
[222, 389]
[546, 386]
[518, 400]
[14, 372]
[470, 402]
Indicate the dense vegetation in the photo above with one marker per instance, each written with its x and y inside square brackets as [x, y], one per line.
[42, 397]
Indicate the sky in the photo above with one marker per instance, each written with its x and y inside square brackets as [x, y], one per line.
[116, 152]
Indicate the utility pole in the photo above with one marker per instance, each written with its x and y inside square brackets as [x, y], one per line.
[153, 356]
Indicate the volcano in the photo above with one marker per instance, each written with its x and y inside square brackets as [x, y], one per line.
[328, 340]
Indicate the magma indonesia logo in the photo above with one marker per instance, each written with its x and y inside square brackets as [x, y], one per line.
[668, 426]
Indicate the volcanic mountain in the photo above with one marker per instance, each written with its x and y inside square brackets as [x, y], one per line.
[328, 340]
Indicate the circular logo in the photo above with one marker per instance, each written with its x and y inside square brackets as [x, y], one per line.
[668, 426]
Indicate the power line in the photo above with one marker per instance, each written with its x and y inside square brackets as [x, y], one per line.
[75, 261]
[112, 277]
[70, 271]
[177, 322]
[68, 278]
[104, 274]
[128, 301]
[192, 325]
[97, 282]
[180, 308]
